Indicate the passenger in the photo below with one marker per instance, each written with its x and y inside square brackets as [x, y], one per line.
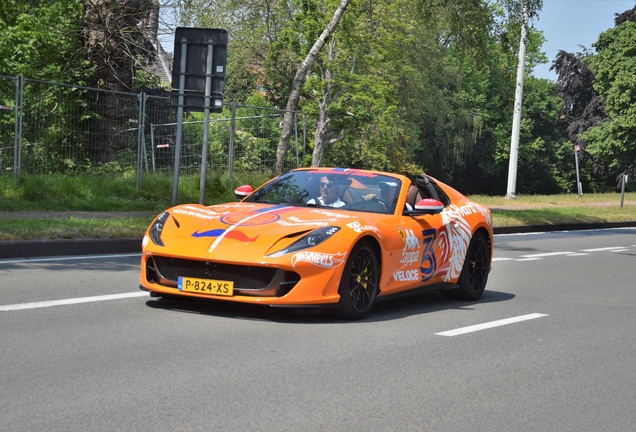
[386, 195]
[328, 195]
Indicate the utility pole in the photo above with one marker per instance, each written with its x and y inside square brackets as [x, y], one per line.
[516, 120]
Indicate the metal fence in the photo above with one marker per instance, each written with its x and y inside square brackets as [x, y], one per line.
[48, 128]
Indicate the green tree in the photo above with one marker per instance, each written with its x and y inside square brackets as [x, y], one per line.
[614, 141]
[299, 79]
[352, 92]
[582, 108]
[254, 28]
[40, 39]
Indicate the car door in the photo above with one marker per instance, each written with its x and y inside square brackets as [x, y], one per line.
[415, 260]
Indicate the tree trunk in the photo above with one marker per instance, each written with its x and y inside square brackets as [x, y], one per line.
[299, 80]
[116, 44]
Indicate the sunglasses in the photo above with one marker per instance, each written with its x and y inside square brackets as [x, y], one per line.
[327, 185]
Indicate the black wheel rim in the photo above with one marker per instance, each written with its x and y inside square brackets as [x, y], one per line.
[478, 255]
[363, 280]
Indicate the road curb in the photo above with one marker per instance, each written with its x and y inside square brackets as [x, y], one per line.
[562, 227]
[66, 247]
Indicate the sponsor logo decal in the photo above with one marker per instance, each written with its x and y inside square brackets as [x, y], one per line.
[319, 259]
[402, 234]
[197, 212]
[465, 210]
[295, 219]
[307, 223]
[406, 275]
[249, 219]
[358, 227]
[429, 263]
[454, 238]
[409, 258]
[411, 241]
[332, 214]
[236, 205]
[349, 171]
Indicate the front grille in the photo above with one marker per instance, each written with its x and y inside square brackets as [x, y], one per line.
[244, 277]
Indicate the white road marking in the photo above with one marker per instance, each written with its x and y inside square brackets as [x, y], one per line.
[546, 254]
[533, 257]
[603, 249]
[491, 324]
[51, 303]
[65, 258]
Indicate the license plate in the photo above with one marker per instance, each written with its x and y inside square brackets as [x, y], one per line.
[206, 286]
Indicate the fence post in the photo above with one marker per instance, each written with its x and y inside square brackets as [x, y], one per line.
[152, 145]
[230, 158]
[181, 99]
[15, 127]
[17, 154]
[140, 137]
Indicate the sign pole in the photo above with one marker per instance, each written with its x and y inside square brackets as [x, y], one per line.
[623, 189]
[177, 150]
[576, 161]
[206, 119]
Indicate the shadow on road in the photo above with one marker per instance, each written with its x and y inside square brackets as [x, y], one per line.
[384, 310]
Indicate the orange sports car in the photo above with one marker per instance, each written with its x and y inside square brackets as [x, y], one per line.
[326, 237]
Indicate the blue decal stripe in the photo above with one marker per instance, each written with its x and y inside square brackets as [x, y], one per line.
[211, 233]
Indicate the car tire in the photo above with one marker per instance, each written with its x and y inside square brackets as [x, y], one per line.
[474, 275]
[359, 284]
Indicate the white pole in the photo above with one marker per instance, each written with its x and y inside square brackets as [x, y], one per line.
[578, 178]
[516, 121]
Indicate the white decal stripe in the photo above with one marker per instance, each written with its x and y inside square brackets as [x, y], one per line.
[232, 227]
[491, 324]
[45, 304]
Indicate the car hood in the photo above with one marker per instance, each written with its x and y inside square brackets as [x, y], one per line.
[245, 231]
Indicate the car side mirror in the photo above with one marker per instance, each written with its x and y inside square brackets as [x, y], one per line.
[243, 191]
[429, 206]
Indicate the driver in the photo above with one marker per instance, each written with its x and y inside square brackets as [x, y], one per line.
[328, 194]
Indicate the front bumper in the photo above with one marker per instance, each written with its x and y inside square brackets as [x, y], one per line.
[256, 284]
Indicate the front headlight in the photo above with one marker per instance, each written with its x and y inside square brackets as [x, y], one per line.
[311, 239]
[157, 227]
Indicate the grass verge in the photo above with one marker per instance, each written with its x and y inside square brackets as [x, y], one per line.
[73, 228]
[98, 195]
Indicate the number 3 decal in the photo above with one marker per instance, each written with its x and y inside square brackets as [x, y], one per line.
[429, 263]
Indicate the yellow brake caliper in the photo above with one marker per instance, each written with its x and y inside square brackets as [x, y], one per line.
[363, 279]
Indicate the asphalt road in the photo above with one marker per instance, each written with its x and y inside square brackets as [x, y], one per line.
[553, 349]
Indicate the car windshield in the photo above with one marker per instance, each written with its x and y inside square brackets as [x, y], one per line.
[344, 189]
